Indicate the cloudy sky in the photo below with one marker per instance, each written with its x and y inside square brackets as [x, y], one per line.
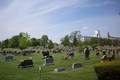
[57, 18]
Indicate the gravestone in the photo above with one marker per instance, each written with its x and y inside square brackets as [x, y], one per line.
[8, 58]
[71, 55]
[29, 53]
[103, 53]
[4, 53]
[119, 52]
[97, 53]
[26, 64]
[86, 54]
[113, 56]
[48, 61]
[16, 54]
[104, 58]
[60, 69]
[38, 52]
[76, 65]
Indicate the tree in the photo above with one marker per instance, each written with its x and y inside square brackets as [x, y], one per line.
[86, 43]
[6, 43]
[50, 44]
[23, 43]
[75, 41]
[44, 40]
[35, 41]
[94, 42]
[65, 41]
[74, 34]
[14, 41]
[2, 45]
[79, 45]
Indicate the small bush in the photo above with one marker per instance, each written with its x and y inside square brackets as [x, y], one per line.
[108, 70]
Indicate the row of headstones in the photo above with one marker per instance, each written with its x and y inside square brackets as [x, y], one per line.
[16, 54]
[74, 66]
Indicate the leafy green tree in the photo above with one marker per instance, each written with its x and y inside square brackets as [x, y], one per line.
[85, 43]
[35, 41]
[14, 41]
[2, 45]
[65, 41]
[6, 43]
[79, 45]
[23, 43]
[75, 41]
[44, 40]
[50, 44]
[74, 34]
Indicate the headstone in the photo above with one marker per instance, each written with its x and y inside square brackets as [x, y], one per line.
[103, 53]
[76, 65]
[86, 54]
[8, 58]
[48, 61]
[26, 64]
[38, 52]
[60, 69]
[104, 58]
[113, 56]
[29, 53]
[97, 54]
[16, 54]
[71, 55]
[4, 53]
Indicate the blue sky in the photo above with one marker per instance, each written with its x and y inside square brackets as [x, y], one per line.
[57, 18]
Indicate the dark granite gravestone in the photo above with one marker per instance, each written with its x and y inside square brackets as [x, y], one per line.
[26, 64]
[97, 53]
[4, 53]
[104, 58]
[76, 65]
[48, 61]
[16, 54]
[8, 58]
[103, 53]
[71, 55]
[86, 54]
[60, 69]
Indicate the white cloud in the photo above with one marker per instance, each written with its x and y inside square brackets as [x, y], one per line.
[84, 27]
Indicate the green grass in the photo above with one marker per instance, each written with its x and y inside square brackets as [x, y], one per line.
[10, 70]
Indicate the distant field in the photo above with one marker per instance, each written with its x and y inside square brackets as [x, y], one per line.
[10, 70]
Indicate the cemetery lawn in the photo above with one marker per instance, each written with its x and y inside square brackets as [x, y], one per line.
[10, 70]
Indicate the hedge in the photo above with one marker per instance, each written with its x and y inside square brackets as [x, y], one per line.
[109, 70]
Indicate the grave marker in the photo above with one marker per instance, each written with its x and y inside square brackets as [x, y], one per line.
[8, 58]
[76, 65]
[60, 69]
[86, 54]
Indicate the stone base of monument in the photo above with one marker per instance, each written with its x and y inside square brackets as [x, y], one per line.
[60, 70]
[25, 66]
[48, 64]
[86, 58]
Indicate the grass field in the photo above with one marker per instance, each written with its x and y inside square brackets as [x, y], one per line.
[10, 70]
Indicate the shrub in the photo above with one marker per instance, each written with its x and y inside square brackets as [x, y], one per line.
[108, 70]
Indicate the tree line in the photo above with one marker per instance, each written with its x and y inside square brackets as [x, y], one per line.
[23, 41]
